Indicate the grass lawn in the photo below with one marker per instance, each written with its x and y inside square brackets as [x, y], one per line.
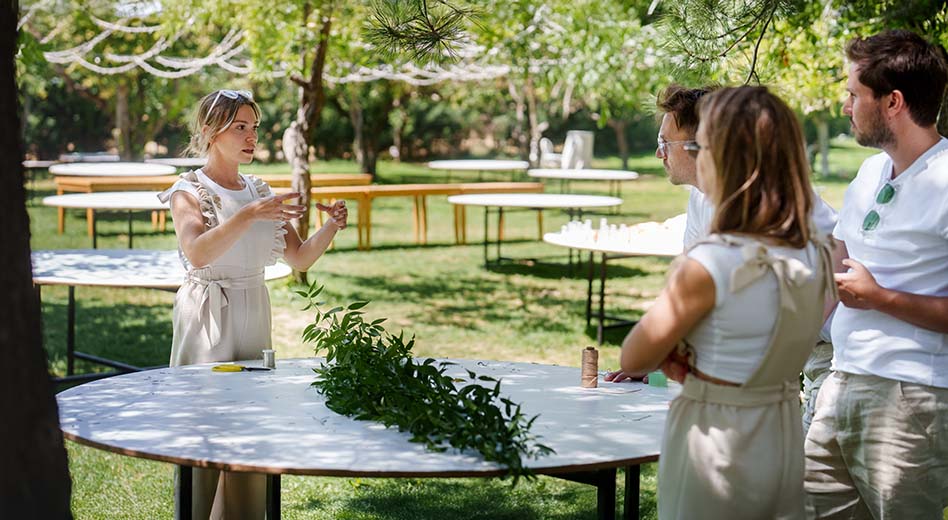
[440, 292]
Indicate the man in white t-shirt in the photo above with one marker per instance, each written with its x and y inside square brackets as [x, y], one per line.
[878, 444]
[679, 125]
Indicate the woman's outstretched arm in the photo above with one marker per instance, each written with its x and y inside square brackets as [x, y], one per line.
[302, 255]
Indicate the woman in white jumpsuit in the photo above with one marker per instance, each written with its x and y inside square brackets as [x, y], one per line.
[229, 227]
[744, 307]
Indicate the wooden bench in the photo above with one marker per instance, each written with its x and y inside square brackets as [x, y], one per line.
[364, 195]
[66, 183]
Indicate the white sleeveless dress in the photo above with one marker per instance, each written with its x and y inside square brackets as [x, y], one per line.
[222, 313]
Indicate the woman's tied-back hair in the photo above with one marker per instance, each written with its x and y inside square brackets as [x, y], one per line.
[222, 114]
[762, 177]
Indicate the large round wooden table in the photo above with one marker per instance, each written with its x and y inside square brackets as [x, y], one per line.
[276, 423]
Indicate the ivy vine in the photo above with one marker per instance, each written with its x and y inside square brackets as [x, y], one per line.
[370, 375]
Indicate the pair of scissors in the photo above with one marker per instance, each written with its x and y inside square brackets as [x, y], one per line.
[238, 368]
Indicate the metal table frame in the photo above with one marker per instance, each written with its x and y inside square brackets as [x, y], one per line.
[72, 354]
[603, 480]
[604, 321]
[500, 234]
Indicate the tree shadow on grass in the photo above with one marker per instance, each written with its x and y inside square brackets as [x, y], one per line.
[413, 499]
[544, 267]
[137, 334]
[456, 301]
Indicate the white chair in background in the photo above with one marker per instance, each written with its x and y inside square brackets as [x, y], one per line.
[549, 158]
[578, 150]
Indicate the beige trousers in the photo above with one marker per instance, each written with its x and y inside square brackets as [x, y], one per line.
[877, 448]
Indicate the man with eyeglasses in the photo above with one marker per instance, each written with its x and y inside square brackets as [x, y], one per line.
[878, 444]
[677, 150]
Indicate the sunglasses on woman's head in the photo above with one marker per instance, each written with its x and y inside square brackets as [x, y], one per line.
[229, 94]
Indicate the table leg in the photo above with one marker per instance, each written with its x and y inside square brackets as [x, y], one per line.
[129, 229]
[61, 214]
[463, 224]
[183, 494]
[90, 215]
[500, 230]
[71, 330]
[415, 219]
[424, 220]
[90, 221]
[602, 299]
[606, 494]
[605, 482]
[630, 507]
[368, 223]
[589, 288]
[540, 225]
[486, 212]
[273, 497]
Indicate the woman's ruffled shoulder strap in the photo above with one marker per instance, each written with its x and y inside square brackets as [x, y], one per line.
[259, 186]
[278, 246]
[210, 202]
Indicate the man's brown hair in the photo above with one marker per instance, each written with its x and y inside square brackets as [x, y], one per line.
[904, 61]
[682, 103]
[762, 176]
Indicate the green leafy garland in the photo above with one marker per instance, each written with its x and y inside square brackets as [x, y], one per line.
[370, 375]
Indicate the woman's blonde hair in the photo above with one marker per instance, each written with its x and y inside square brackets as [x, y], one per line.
[217, 112]
[762, 177]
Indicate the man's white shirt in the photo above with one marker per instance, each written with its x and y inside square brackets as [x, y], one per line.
[907, 251]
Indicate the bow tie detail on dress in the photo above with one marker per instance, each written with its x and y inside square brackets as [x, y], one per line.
[214, 300]
[758, 260]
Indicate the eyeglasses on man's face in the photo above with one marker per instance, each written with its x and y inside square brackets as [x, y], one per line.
[885, 196]
[229, 94]
[692, 146]
[663, 145]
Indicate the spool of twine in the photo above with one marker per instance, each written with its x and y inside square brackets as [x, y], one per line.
[590, 372]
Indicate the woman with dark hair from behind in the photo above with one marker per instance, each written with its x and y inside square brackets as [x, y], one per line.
[745, 305]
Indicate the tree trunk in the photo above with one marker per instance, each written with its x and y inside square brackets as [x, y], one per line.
[618, 126]
[35, 481]
[822, 133]
[536, 126]
[398, 129]
[312, 99]
[519, 133]
[124, 121]
[356, 117]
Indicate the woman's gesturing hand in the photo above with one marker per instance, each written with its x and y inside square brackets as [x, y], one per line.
[337, 212]
[273, 208]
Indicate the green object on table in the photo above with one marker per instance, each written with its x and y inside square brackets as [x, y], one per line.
[657, 378]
